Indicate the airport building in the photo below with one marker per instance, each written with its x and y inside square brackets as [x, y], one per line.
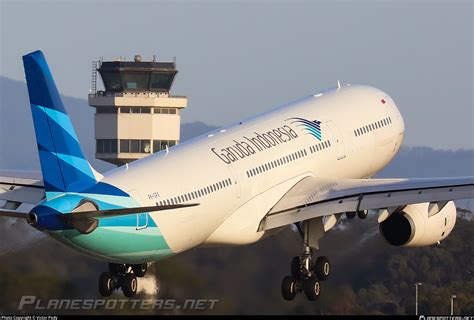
[136, 114]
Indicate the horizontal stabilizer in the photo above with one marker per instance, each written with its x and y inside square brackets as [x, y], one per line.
[85, 221]
[13, 214]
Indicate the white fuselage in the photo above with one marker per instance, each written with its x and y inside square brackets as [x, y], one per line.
[238, 173]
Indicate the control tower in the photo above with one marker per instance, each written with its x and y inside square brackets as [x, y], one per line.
[136, 115]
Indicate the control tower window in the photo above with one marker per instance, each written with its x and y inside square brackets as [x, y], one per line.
[136, 80]
[112, 81]
[156, 146]
[106, 110]
[106, 145]
[125, 146]
[161, 81]
[135, 146]
[145, 146]
[113, 145]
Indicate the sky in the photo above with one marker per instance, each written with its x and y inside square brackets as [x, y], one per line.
[238, 58]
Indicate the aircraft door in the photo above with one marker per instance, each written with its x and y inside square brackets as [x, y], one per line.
[142, 218]
[235, 181]
[337, 140]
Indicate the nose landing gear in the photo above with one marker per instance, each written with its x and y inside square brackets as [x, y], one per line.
[121, 276]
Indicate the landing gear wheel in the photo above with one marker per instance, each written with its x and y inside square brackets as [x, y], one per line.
[117, 269]
[129, 285]
[322, 268]
[362, 214]
[312, 288]
[295, 268]
[288, 288]
[106, 284]
[350, 214]
[140, 269]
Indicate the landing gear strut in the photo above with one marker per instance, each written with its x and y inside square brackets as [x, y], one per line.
[121, 276]
[306, 274]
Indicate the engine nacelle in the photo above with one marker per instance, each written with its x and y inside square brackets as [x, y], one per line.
[413, 227]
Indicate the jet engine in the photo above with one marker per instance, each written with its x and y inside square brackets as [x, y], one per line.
[420, 224]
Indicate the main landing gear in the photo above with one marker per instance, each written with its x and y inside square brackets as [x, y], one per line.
[362, 214]
[306, 274]
[122, 276]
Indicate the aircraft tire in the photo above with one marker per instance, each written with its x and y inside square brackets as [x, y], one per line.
[350, 214]
[106, 284]
[312, 288]
[129, 285]
[322, 268]
[288, 288]
[362, 214]
[140, 269]
[117, 269]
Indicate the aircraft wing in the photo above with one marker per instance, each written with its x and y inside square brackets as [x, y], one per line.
[20, 190]
[318, 197]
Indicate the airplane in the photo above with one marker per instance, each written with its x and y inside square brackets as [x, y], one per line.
[304, 165]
